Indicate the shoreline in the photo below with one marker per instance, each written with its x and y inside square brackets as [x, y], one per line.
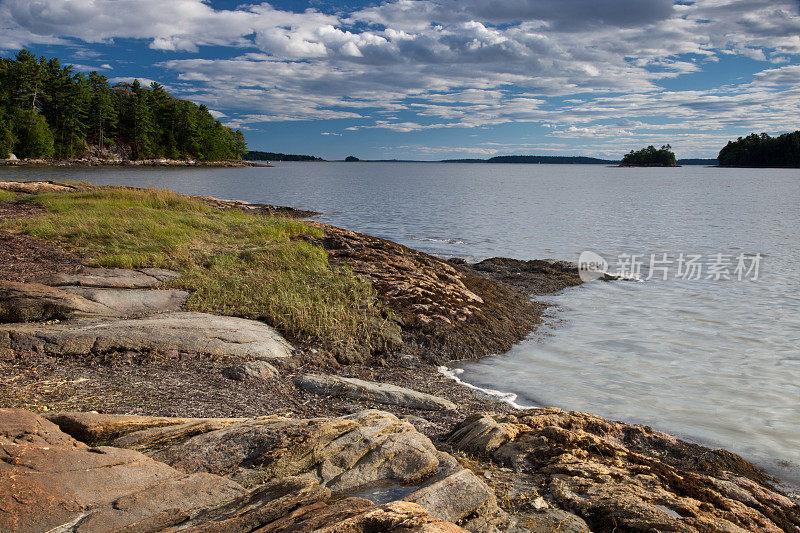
[106, 163]
[442, 309]
[767, 464]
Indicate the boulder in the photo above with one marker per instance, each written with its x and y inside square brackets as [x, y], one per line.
[116, 278]
[250, 369]
[456, 496]
[482, 434]
[615, 475]
[549, 520]
[340, 453]
[358, 389]
[197, 333]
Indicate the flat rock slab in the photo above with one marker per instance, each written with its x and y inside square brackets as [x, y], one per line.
[33, 302]
[28, 302]
[198, 333]
[115, 278]
[101, 428]
[132, 302]
[359, 389]
[32, 187]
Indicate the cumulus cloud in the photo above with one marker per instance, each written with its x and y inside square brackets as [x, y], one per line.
[584, 68]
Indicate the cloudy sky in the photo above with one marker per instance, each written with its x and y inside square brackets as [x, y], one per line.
[433, 79]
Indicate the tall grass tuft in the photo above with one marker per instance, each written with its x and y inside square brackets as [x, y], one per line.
[233, 262]
[7, 196]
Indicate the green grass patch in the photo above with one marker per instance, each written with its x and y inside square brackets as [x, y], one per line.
[7, 196]
[233, 262]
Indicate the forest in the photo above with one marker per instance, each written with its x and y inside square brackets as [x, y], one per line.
[47, 110]
[762, 151]
[650, 157]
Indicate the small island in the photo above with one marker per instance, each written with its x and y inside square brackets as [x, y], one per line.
[650, 157]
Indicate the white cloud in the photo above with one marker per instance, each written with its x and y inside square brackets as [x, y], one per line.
[145, 82]
[789, 75]
[89, 68]
[586, 69]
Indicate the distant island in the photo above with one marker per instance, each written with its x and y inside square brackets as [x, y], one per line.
[707, 162]
[49, 111]
[537, 159]
[508, 159]
[650, 157]
[255, 155]
[762, 151]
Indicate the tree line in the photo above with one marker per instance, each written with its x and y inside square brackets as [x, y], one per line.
[49, 110]
[762, 151]
[256, 155]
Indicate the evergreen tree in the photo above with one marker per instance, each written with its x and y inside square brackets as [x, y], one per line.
[25, 80]
[103, 113]
[34, 140]
[239, 144]
[137, 124]
[6, 140]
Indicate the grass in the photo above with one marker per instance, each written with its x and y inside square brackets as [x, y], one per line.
[7, 196]
[234, 263]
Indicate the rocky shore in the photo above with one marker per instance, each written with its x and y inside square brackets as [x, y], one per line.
[122, 411]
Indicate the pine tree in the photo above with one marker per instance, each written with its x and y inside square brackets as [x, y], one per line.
[103, 113]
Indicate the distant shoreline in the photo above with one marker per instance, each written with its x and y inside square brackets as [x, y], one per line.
[505, 160]
[102, 163]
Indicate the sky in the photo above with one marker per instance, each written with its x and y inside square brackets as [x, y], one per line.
[437, 79]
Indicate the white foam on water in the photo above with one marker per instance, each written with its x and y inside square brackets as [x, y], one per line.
[508, 397]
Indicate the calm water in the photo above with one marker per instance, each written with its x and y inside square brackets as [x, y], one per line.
[714, 361]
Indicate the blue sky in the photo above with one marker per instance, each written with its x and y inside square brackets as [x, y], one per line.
[434, 79]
